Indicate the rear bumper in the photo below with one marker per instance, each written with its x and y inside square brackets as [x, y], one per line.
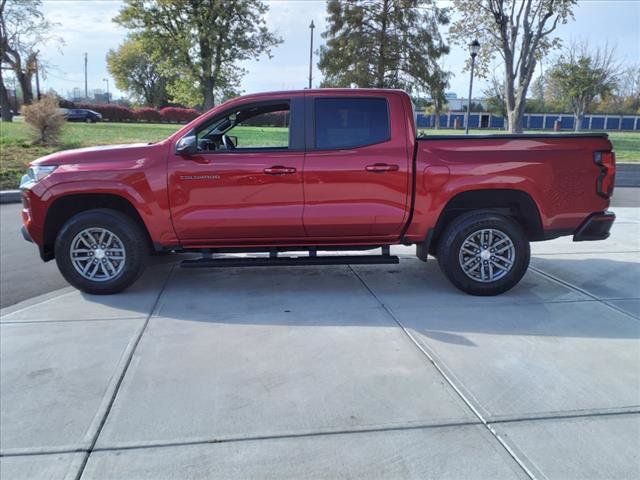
[595, 227]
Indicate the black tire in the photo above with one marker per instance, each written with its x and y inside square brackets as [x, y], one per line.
[127, 231]
[460, 229]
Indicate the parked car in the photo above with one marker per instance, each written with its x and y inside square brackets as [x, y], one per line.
[347, 172]
[82, 115]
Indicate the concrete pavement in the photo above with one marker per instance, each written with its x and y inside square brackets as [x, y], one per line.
[325, 372]
[22, 274]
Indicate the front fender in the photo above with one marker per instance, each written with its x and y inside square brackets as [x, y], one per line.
[154, 214]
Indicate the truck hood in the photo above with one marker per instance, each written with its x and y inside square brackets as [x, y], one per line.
[107, 153]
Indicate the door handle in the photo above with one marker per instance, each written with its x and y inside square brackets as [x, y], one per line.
[382, 167]
[279, 170]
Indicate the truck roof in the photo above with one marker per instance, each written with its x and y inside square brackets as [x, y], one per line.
[337, 91]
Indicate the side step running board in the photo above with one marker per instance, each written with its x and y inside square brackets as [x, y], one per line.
[290, 261]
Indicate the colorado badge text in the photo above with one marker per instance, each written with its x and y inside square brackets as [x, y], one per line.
[199, 177]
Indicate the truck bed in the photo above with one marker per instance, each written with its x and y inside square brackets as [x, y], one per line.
[463, 136]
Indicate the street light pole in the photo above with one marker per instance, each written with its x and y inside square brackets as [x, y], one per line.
[107, 80]
[86, 90]
[474, 48]
[311, 27]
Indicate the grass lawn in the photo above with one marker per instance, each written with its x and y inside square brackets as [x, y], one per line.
[16, 150]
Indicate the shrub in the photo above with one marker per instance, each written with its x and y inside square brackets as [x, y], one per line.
[45, 119]
[179, 115]
[147, 114]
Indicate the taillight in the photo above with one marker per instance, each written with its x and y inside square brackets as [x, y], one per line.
[607, 163]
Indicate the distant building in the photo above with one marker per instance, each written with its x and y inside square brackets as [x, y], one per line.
[456, 104]
[100, 97]
[459, 104]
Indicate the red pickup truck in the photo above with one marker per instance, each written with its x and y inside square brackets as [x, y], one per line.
[312, 171]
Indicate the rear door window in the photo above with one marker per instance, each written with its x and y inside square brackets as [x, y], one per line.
[350, 122]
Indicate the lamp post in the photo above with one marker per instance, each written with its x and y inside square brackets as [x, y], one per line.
[474, 48]
[107, 81]
[311, 27]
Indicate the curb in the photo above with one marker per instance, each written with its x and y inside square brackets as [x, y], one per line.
[627, 175]
[10, 196]
[33, 301]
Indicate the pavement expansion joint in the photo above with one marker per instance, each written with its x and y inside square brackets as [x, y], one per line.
[245, 438]
[582, 291]
[552, 254]
[75, 320]
[566, 414]
[559, 415]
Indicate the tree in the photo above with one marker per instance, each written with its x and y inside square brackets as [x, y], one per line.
[520, 32]
[136, 69]
[385, 44]
[436, 85]
[494, 94]
[625, 98]
[205, 40]
[22, 30]
[581, 74]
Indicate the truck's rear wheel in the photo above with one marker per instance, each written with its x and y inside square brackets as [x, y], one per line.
[484, 253]
[101, 251]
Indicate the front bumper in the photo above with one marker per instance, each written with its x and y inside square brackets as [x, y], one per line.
[595, 227]
[25, 234]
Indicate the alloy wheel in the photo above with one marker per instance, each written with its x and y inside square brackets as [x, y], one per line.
[487, 255]
[97, 254]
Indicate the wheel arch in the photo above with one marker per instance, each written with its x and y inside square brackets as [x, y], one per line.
[513, 203]
[65, 207]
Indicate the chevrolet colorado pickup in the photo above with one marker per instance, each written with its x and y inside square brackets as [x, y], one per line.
[317, 170]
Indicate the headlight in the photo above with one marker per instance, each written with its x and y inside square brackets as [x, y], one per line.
[36, 173]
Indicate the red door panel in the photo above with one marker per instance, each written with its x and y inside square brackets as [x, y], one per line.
[237, 195]
[353, 191]
[344, 198]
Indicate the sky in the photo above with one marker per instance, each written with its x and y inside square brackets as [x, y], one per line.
[86, 26]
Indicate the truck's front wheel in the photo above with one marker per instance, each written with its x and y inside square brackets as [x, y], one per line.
[101, 251]
[484, 253]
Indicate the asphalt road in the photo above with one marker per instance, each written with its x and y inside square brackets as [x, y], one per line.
[23, 275]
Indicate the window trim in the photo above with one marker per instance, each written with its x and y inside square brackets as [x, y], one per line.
[293, 104]
[311, 119]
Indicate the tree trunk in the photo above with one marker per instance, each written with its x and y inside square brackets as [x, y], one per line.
[578, 116]
[207, 92]
[382, 40]
[7, 116]
[515, 113]
[514, 122]
[25, 85]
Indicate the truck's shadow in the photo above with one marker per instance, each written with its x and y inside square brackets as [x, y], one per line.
[414, 293]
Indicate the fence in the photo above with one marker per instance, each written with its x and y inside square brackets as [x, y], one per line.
[532, 121]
